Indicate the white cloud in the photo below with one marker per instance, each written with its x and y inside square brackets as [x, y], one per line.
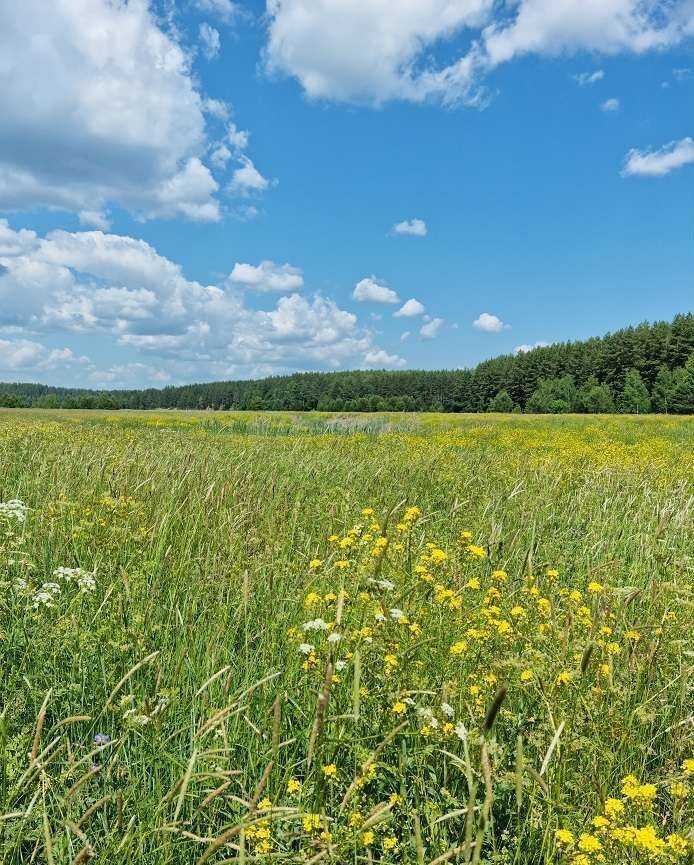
[490, 323]
[267, 276]
[247, 180]
[127, 375]
[99, 108]
[225, 10]
[410, 308]
[377, 358]
[682, 74]
[431, 328]
[554, 27]
[583, 78]
[405, 336]
[413, 227]
[370, 290]
[24, 355]
[658, 163]
[366, 52]
[120, 291]
[94, 219]
[609, 105]
[525, 347]
[209, 37]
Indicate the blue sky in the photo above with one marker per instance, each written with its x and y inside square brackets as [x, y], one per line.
[199, 189]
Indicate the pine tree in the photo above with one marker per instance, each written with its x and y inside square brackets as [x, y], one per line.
[502, 402]
[683, 388]
[661, 394]
[634, 398]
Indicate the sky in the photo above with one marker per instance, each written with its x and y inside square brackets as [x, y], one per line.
[198, 190]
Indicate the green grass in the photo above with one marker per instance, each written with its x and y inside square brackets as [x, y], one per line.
[201, 528]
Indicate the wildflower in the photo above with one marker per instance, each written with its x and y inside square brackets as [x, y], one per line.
[613, 807]
[631, 789]
[612, 648]
[311, 822]
[634, 636]
[330, 771]
[330, 597]
[314, 564]
[563, 678]
[459, 647]
[367, 838]
[552, 573]
[315, 625]
[391, 662]
[600, 822]
[517, 612]
[399, 708]
[355, 820]
[334, 637]
[476, 552]
[564, 838]
[589, 843]
[527, 676]
[293, 786]
[595, 588]
[342, 564]
[604, 670]
[473, 583]
[46, 595]
[390, 843]
[679, 790]
[306, 648]
[499, 576]
[101, 739]
[265, 804]
[411, 514]
[688, 766]
[447, 710]
[395, 799]
[312, 599]
[677, 844]
[14, 509]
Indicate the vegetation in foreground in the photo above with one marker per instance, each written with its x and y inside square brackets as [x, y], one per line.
[636, 370]
[325, 639]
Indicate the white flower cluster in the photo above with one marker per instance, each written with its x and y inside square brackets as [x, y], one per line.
[386, 585]
[315, 625]
[14, 510]
[84, 579]
[46, 595]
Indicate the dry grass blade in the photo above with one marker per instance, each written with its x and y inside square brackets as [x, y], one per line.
[552, 745]
[40, 720]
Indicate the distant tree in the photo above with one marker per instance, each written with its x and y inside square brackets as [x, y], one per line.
[634, 398]
[661, 393]
[502, 402]
[553, 396]
[11, 400]
[683, 388]
[595, 398]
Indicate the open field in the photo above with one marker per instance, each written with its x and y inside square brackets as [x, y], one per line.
[349, 639]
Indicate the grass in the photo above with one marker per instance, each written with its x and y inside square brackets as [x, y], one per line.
[514, 625]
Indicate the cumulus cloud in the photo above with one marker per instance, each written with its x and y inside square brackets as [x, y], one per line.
[99, 108]
[377, 358]
[247, 180]
[410, 308]
[412, 227]
[658, 163]
[25, 355]
[365, 52]
[583, 78]
[609, 105]
[525, 347]
[371, 290]
[209, 37]
[431, 328]
[490, 323]
[370, 52]
[267, 276]
[122, 291]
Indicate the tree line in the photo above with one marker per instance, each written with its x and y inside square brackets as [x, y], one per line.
[647, 368]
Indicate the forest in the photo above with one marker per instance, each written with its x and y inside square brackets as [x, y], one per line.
[635, 370]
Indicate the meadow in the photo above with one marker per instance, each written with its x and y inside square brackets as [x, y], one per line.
[314, 638]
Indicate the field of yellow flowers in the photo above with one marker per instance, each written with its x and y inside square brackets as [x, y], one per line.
[277, 638]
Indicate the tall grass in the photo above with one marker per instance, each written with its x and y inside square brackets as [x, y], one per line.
[180, 713]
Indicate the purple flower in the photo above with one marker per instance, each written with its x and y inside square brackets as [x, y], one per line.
[101, 739]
